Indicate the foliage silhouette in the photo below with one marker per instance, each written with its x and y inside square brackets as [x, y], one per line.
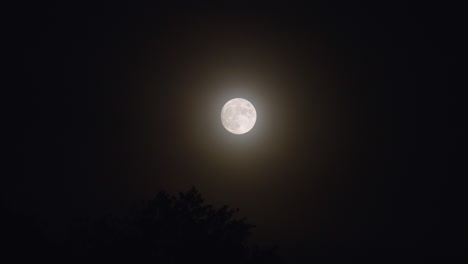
[171, 229]
[21, 237]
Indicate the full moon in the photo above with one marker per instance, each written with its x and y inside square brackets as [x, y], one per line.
[238, 116]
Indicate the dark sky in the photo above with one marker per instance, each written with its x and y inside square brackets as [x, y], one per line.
[111, 103]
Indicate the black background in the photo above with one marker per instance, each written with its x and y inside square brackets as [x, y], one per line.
[110, 103]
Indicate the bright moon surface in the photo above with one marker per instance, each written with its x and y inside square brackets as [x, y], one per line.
[238, 116]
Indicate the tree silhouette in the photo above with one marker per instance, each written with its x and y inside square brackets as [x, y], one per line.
[21, 237]
[172, 229]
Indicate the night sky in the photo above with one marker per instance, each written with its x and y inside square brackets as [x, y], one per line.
[350, 155]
